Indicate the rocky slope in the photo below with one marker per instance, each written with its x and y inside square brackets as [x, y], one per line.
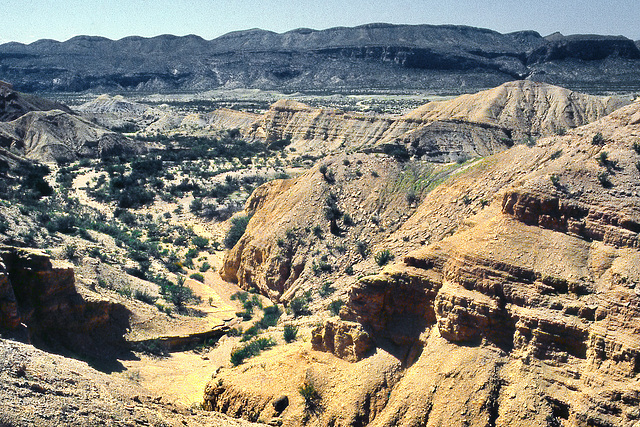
[379, 56]
[463, 127]
[14, 104]
[522, 313]
[57, 136]
[38, 298]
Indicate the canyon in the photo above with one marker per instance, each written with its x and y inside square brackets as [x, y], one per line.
[472, 261]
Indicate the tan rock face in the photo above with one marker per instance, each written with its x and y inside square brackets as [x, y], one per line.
[42, 295]
[470, 125]
[526, 314]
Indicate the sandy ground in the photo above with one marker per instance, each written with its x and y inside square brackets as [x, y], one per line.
[181, 377]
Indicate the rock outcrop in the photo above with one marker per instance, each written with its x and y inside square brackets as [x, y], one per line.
[56, 136]
[39, 294]
[14, 104]
[466, 126]
[456, 130]
[525, 314]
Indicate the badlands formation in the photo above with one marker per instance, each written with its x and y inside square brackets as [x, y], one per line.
[471, 262]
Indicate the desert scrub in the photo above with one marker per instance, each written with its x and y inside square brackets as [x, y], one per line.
[383, 257]
[254, 348]
[326, 289]
[299, 306]
[197, 276]
[598, 139]
[290, 333]
[310, 395]
[335, 306]
[238, 226]
[363, 249]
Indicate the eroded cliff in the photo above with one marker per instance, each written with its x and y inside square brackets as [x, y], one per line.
[524, 314]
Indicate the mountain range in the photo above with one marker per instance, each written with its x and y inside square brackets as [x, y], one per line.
[375, 57]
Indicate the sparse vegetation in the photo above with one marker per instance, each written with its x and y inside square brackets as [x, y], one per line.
[383, 257]
[238, 226]
[290, 333]
[197, 276]
[603, 178]
[326, 289]
[299, 306]
[335, 306]
[239, 355]
[598, 139]
[555, 180]
[310, 395]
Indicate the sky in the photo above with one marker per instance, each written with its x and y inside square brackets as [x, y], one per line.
[29, 20]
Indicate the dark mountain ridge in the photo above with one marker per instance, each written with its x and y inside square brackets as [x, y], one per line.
[379, 56]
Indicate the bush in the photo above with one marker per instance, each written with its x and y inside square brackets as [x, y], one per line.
[197, 276]
[290, 333]
[238, 226]
[603, 177]
[144, 297]
[200, 242]
[363, 249]
[70, 252]
[326, 289]
[335, 306]
[598, 139]
[636, 147]
[299, 306]
[383, 257]
[254, 348]
[270, 317]
[327, 174]
[205, 267]
[310, 395]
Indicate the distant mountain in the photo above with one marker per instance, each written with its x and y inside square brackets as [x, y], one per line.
[374, 56]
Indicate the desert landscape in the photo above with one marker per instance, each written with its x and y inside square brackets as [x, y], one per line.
[381, 225]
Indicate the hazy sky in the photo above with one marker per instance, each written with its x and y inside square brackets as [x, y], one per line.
[30, 20]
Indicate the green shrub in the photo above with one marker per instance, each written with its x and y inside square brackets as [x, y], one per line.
[238, 226]
[290, 333]
[383, 257]
[603, 158]
[603, 178]
[144, 296]
[349, 270]
[310, 395]
[363, 249]
[197, 276]
[71, 252]
[200, 242]
[555, 180]
[335, 306]
[598, 139]
[205, 267]
[254, 348]
[299, 306]
[636, 147]
[326, 289]
[270, 317]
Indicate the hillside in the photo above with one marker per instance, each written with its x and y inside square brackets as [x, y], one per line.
[450, 59]
[472, 326]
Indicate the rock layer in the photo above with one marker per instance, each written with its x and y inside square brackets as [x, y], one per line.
[41, 295]
[525, 315]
